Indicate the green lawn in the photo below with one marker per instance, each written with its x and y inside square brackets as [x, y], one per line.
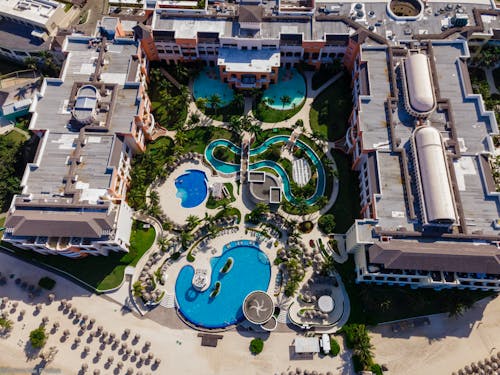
[324, 74]
[346, 207]
[15, 137]
[2, 222]
[373, 304]
[224, 113]
[330, 111]
[100, 272]
[265, 113]
[261, 136]
[199, 137]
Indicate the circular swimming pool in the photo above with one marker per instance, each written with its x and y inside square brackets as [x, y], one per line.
[192, 188]
[250, 271]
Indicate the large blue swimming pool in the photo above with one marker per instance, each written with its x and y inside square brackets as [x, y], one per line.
[251, 271]
[191, 188]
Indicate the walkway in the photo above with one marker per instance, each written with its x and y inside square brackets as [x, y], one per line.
[491, 79]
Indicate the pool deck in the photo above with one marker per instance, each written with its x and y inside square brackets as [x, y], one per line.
[203, 254]
[171, 205]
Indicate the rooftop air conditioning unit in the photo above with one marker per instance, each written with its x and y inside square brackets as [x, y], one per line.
[74, 178]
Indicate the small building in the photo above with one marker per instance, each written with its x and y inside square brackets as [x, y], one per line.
[264, 187]
[306, 345]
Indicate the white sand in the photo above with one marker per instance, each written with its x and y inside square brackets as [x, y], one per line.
[446, 345]
[230, 357]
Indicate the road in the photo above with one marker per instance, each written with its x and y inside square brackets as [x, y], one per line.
[96, 9]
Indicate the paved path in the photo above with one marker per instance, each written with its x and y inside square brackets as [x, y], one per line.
[491, 80]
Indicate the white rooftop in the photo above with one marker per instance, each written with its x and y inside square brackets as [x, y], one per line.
[32, 11]
[258, 61]
[306, 345]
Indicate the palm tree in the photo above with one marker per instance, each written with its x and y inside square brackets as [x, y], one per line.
[6, 324]
[322, 201]
[31, 63]
[186, 238]
[214, 101]
[180, 138]
[318, 136]
[301, 205]
[285, 99]
[270, 101]
[192, 221]
[238, 100]
[364, 350]
[163, 242]
[181, 72]
[235, 123]
[201, 103]
[137, 289]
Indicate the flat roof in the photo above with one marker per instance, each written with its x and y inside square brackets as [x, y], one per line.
[249, 61]
[18, 37]
[31, 11]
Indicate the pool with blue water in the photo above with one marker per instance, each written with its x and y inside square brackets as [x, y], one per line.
[192, 188]
[251, 271]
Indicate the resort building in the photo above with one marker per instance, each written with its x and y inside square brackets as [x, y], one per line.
[90, 121]
[248, 41]
[423, 148]
[26, 26]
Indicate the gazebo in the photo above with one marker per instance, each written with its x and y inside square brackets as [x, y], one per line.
[258, 307]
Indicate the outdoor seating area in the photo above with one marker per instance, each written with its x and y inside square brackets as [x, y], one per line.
[316, 304]
[489, 365]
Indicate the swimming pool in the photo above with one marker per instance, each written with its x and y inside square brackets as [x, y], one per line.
[208, 83]
[225, 167]
[251, 271]
[290, 83]
[191, 188]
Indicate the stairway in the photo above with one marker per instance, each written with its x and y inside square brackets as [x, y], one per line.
[168, 301]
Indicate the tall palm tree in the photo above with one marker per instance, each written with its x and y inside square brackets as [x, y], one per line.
[181, 72]
[322, 201]
[201, 103]
[215, 102]
[192, 221]
[186, 238]
[270, 101]
[364, 350]
[180, 138]
[31, 63]
[238, 100]
[163, 242]
[235, 124]
[301, 205]
[285, 99]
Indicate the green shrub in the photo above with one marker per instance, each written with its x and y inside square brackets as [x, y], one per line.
[38, 338]
[190, 257]
[175, 255]
[327, 223]
[376, 369]
[227, 265]
[46, 283]
[306, 226]
[334, 347]
[256, 346]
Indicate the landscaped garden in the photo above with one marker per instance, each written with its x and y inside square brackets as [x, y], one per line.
[168, 102]
[102, 272]
[330, 111]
